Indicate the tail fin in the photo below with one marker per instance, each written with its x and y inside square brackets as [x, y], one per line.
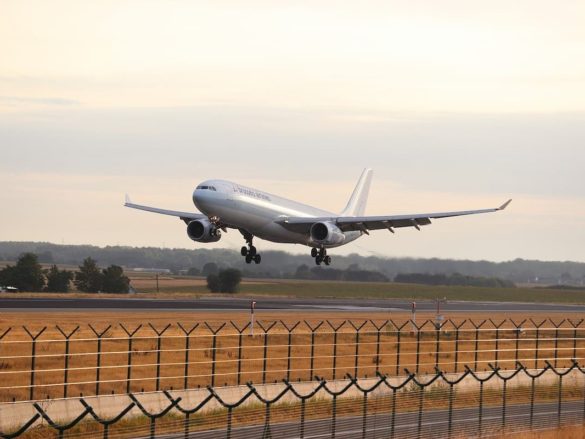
[356, 206]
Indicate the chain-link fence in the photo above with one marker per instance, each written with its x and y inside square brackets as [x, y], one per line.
[452, 405]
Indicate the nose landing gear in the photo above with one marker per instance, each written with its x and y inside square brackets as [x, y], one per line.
[320, 256]
[250, 252]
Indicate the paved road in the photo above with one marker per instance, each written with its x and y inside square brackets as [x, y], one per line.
[270, 303]
[434, 424]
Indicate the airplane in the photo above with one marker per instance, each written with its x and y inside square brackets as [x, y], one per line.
[255, 213]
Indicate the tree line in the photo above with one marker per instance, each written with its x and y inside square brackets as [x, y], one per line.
[28, 275]
[278, 264]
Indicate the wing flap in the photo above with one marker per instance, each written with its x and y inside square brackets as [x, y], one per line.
[348, 223]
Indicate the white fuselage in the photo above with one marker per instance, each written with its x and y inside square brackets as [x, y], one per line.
[257, 211]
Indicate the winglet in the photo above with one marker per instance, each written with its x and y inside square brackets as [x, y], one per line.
[127, 200]
[503, 206]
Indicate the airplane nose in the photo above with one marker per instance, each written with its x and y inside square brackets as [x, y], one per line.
[202, 199]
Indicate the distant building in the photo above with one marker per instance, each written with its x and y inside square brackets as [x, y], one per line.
[152, 270]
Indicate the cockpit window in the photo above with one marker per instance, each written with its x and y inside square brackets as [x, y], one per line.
[205, 187]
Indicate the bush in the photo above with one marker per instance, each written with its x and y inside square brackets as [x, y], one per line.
[58, 280]
[26, 275]
[114, 281]
[89, 278]
[226, 281]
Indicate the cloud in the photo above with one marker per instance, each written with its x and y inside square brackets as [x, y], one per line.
[50, 101]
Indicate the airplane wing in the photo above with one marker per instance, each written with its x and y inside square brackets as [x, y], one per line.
[366, 223]
[185, 216]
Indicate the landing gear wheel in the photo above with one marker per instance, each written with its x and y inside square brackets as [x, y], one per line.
[249, 252]
[318, 260]
[314, 252]
[327, 260]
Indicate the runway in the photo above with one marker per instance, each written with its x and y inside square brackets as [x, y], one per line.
[270, 303]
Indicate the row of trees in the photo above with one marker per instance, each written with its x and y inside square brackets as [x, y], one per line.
[277, 264]
[352, 273]
[28, 275]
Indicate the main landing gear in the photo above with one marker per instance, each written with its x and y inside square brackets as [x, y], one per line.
[250, 252]
[320, 255]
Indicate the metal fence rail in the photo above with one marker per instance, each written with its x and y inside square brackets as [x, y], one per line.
[438, 405]
[47, 362]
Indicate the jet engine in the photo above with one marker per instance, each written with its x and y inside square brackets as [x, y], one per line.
[203, 231]
[326, 233]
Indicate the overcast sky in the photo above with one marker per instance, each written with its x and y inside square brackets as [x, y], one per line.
[455, 104]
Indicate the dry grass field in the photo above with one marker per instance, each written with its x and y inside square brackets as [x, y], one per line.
[324, 354]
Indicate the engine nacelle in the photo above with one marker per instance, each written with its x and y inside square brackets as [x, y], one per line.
[203, 231]
[326, 233]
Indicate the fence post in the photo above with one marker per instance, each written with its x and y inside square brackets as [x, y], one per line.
[187, 333]
[575, 326]
[265, 360]
[302, 433]
[378, 329]
[357, 346]
[66, 366]
[290, 330]
[214, 349]
[480, 415]
[33, 358]
[393, 419]
[267, 433]
[398, 329]
[334, 415]
[537, 326]
[560, 406]
[335, 329]
[418, 331]
[240, 336]
[457, 328]
[421, 400]
[476, 348]
[99, 336]
[364, 413]
[517, 330]
[158, 346]
[438, 326]
[229, 423]
[532, 390]
[497, 328]
[505, 380]
[154, 416]
[557, 326]
[560, 376]
[312, 359]
[130, 334]
[504, 400]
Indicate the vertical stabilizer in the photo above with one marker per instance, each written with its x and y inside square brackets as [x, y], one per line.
[356, 206]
